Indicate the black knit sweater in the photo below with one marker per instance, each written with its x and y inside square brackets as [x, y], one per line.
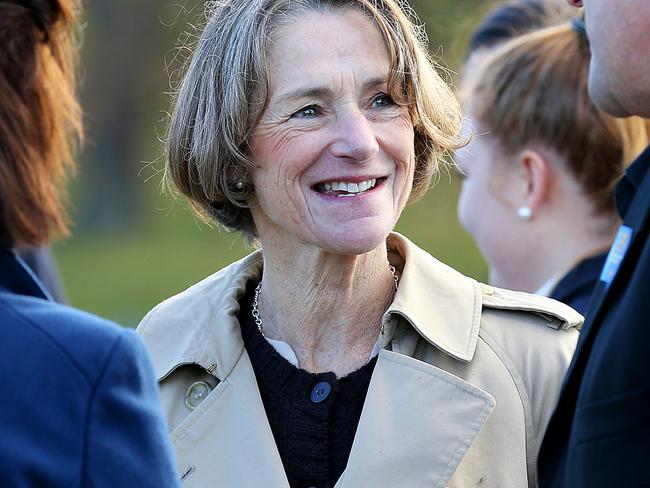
[313, 417]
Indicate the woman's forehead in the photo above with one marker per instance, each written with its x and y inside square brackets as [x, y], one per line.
[319, 48]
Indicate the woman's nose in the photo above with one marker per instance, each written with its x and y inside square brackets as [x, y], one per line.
[355, 138]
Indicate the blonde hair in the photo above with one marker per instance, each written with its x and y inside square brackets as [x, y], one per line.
[225, 88]
[533, 90]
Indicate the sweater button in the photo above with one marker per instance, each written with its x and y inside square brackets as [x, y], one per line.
[320, 392]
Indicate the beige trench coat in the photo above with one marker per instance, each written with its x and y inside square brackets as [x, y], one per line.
[459, 398]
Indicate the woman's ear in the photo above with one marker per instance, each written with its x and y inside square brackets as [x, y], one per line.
[535, 179]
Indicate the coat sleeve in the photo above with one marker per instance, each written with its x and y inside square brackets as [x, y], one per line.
[126, 439]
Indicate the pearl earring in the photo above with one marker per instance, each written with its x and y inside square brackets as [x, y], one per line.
[239, 185]
[524, 213]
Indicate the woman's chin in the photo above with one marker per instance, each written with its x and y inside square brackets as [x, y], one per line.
[353, 242]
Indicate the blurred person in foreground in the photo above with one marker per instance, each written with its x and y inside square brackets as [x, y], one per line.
[339, 353]
[40, 260]
[79, 404]
[542, 165]
[599, 435]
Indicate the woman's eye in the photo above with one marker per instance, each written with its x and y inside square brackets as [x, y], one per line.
[310, 111]
[382, 100]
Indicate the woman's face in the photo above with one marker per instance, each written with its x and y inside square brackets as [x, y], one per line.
[484, 206]
[335, 154]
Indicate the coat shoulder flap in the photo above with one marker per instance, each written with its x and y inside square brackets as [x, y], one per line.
[556, 315]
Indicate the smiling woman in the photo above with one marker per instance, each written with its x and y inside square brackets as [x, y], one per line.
[334, 124]
[338, 345]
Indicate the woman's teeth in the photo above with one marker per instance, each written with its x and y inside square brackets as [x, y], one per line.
[345, 189]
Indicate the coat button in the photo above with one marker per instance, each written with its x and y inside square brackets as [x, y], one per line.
[487, 289]
[320, 392]
[196, 393]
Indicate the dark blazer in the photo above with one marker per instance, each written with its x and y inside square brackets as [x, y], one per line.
[577, 286]
[599, 435]
[41, 261]
[78, 402]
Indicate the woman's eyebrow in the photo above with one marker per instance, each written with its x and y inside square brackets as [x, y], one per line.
[309, 92]
[325, 92]
[373, 83]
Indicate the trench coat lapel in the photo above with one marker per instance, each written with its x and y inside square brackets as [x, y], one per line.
[408, 435]
[227, 440]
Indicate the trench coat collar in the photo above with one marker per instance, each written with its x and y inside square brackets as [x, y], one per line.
[429, 294]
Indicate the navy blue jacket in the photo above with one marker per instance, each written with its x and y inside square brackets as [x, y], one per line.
[599, 435]
[79, 406]
[577, 286]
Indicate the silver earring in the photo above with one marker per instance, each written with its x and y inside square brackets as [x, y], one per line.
[239, 185]
[524, 213]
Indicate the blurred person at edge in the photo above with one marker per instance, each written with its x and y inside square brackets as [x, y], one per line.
[599, 435]
[339, 353]
[80, 406]
[542, 165]
[40, 260]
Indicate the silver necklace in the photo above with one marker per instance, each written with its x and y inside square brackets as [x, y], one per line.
[258, 319]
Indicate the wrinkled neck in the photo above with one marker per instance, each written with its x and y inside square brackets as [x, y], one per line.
[327, 307]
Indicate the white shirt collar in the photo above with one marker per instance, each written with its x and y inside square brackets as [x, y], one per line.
[286, 351]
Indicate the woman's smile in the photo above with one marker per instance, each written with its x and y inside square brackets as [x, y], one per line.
[351, 188]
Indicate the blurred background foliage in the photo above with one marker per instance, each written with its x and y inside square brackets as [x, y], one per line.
[133, 246]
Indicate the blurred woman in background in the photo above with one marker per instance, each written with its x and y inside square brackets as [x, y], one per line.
[539, 174]
[79, 404]
[513, 18]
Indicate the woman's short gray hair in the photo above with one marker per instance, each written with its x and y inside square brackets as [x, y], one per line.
[225, 90]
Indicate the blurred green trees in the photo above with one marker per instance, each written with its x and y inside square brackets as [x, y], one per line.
[133, 247]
